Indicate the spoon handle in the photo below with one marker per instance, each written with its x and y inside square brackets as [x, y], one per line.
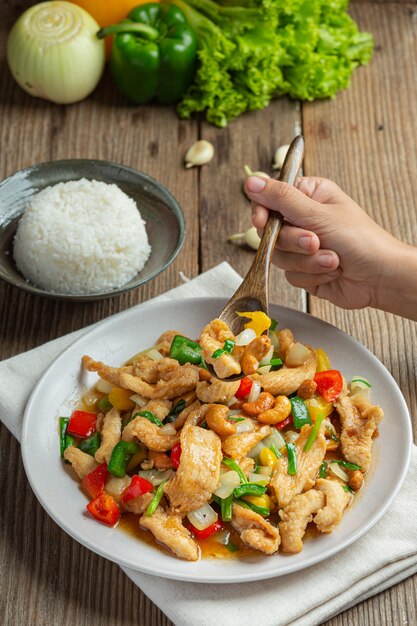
[256, 283]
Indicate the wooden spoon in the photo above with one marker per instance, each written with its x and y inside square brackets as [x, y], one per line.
[253, 293]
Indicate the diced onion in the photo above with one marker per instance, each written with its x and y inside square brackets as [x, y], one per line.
[359, 386]
[156, 476]
[232, 401]
[168, 429]
[90, 399]
[245, 427]
[255, 391]
[255, 451]
[139, 400]
[275, 439]
[154, 354]
[228, 481]
[245, 337]
[234, 412]
[115, 486]
[297, 355]
[103, 386]
[338, 471]
[258, 478]
[274, 339]
[203, 517]
[265, 470]
[290, 436]
[267, 358]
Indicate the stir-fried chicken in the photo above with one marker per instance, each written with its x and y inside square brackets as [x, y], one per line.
[106, 372]
[159, 408]
[237, 446]
[295, 517]
[163, 343]
[359, 421]
[199, 470]
[288, 379]
[286, 486]
[110, 435]
[337, 500]
[254, 531]
[173, 380]
[140, 504]
[82, 463]
[212, 338]
[168, 529]
[216, 391]
[149, 434]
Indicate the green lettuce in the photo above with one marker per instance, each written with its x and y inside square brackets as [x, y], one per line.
[251, 51]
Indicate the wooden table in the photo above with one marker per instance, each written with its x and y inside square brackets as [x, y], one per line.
[366, 140]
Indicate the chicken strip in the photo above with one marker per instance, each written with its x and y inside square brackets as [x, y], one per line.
[110, 435]
[159, 408]
[295, 517]
[337, 500]
[286, 486]
[174, 380]
[237, 446]
[182, 417]
[359, 421]
[199, 470]
[106, 372]
[163, 343]
[247, 465]
[287, 379]
[168, 530]
[212, 338]
[216, 391]
[149, 434]
[82, 463]
[140, 504]
[254, 531]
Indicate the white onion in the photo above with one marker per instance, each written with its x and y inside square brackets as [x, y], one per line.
[115, 486]
[256, 450]
[53, 52]
[245, 337]
[297, 355]
[338, 471]
[359, 388]
[275, 438]
[255, 391]
[228, 481]
[258, 478]
[290, 436]
[156, 476]
[245, 427]
[274, 339]
[103, 386]
[267, 358]
[139, 400]
[232, 401]
[154, 354]
[168, 429]
[203, 517]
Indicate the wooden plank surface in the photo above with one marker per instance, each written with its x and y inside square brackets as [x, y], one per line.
[46, 577]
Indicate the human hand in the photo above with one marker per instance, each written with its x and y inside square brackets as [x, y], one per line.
[328, 245]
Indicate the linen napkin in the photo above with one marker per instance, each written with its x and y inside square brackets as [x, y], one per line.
[383, 557]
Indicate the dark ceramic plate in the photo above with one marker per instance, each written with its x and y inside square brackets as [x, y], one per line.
[164, 218]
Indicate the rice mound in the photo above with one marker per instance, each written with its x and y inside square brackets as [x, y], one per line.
[81, 237]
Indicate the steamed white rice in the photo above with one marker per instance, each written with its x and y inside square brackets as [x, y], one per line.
[81, 237]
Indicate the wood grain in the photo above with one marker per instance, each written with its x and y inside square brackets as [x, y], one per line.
[365, 139]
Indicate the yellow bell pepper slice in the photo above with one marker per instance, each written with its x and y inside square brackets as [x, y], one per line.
[264, 501]
[267, 457]
[119, 398]
[260, 322]
[323, 362]
[318, 405]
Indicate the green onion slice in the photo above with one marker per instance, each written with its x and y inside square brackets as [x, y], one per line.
[361, 380]
[156, 499]
[234, 466]
[292, 459]
[314, 432]
[149, 416]
[346, 464]
[323, 470]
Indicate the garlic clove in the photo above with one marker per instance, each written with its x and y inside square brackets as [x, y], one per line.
[200, 153]
[279, 156]
[250, 237]
[248, 172]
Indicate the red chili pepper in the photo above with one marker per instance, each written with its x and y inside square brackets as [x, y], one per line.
[104, 509]
[284, 423]
[137, 487]
[329, 384]
[176, 455]
[244, 388]
[207, 532]
[94, 482]
[82, 424]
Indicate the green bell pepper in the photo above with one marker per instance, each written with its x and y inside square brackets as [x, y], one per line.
[153, 54]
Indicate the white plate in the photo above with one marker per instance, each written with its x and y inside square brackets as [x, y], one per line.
[114, 340]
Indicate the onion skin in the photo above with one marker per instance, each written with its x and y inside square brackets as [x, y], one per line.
[53, 52]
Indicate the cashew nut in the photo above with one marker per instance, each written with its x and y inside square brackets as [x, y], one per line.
[355, 479]
[216, 418]
[278, 413]
[307, 389]
[254, 353]
[263, 403]
[286, 339]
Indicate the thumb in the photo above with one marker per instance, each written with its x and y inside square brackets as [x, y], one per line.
[292, 203]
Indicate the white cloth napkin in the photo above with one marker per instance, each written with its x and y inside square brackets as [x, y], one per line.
[383, 557]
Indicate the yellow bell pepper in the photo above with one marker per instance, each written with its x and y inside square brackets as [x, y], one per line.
[323, 362]
[267, 457]
[260, 322]
[318, 405]
[120, 399]
[264, 501]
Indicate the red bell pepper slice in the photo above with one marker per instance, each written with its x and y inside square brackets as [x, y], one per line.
[176, 455]
[284, 423]
[207, 532]
[82, 424]
[244, 388]
[329, 384]
[94, 482]
[104, 509]
[137, 487]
